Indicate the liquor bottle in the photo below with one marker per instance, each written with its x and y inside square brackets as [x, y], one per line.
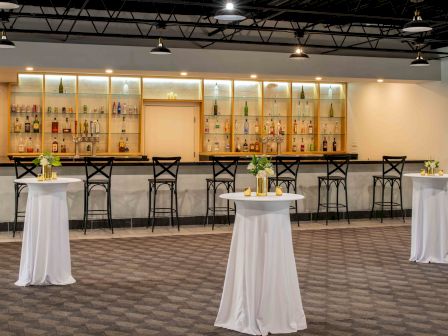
[206, 127]
[27, 125]
[121, 145]
[86, 127]
[279, 127]
[294, 145]
[55, 146]
[216, 145]
[96, 127]
[215, 108]
[13, 108]
[209, 146]
[64, 109]
[256, 127]
[331, 111]
[238, 145]
[246, 127]
[295, 127]
[257, 146]
[217, 125]
[56, 109]
[330, 92]
[114, 108]
[272, 128]
[310, 127]
[246, 109]
[325, 145]
[325, 129]
[334, 145]
[311, 145]
[88, 147]
[237, 126]
[302, 127]
[123, 125]
[126, 145]
[336, 128]
[37, 150]
[67, 126]
[302, 146]
[216, 90]
[119, 108]
[36, 125]
[125, 108]
[226, 126]
[49, 110]
[307, 109]
[302, 93]
[21, 146]
[227, 144]
[55, 126]
[275, 109]
[17, 126]
[252, 147]
[61, 87]
[63, 147]
[245, 146]
[29, 146]
[85, 109]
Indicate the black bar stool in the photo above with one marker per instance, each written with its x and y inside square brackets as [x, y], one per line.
[286, 169]
[98, 175]
[337, 169]
[23, 168]
[224, 174]
[392, 174]
[165, 170]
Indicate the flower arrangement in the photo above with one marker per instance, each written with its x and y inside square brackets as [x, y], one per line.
[46, 159]
[431, 164]
[260, 166]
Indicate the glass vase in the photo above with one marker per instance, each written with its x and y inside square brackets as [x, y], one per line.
[430, 171]
[262, 186]
[47, 172]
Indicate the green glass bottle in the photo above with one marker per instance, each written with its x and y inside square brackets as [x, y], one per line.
[331, 111]
[61, 87]
[302, 93]
[246, 109]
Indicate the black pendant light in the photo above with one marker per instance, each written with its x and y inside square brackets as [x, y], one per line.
[5, 43]
[229, 13]
[298, 54]
[419, 60]
[417, 25]
[160, 49]
[11, 4]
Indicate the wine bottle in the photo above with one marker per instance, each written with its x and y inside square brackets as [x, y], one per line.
[334, 145]
[336, 128]
[215, 108]
[217, 125]
[119, 108]
[245, 146]
[55, 146]
[27, 125]
[302, 93]
[272, 128]
[61, 87]
[246, 127]
[96, 127]
[36, 125]
[310, 127]
[325, 145]
[257, 146]
[209, 146]
[302, 127]
[63, 148]
[227, 144]
[295, 127]
[246, 109]
[330, 92]
[216, 145]
[123, 125]
[55, 126]
[294, 145]
[206, 127]
[302, 146]
[21, 146]
[331, 111]
[256, 127]
[114, 108]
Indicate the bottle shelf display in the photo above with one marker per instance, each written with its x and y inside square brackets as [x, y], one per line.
[76, 115]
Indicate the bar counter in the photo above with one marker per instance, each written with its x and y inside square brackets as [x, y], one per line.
[130, 189]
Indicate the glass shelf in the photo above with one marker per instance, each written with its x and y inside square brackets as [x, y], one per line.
[34, 93]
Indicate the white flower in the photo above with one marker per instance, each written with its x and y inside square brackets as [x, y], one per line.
[44, 162]
[262, 174]
[269, 171]
[433, 164]
[250, 166]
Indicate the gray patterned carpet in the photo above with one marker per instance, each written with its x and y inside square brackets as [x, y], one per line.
[353, 282]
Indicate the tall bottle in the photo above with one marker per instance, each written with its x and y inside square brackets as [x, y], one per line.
[206, 127]
[246, 127]
[29, 146]
[36, 125]
[216, 145]
[330, 92]
[209, 146]
[27, 125]
[294, 145]
[238, 145]
[331, 111]
[302, 146]
[310, 127]
[215, 108]
[227, 147]
[55, 126]
[325, 145]
[119, 108]
[245, 146]
[121, 145]
[336, 128]
[67, 126]
[279, 127]
[61, 87]
[17, 126]
[63, 147]
[302, 127]
[217, 125]
[123, 125]
[86, 127]
[21, 146]
[295, 127]
[246, 109]
[302, 93]
[96, 127]
[257, 127]
[272, 128]
[335, 146]
[55, 146]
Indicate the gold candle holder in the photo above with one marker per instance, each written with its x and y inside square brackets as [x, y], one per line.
[422, 172]
[441, 172]
[278, 191]
[247, 191]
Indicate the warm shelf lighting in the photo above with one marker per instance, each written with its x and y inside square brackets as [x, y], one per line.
[253, 76]
[380, 80]
[318, 78]
[184, 73]
[29, 68]
[160, 49]
[229, 13]
[109, 71]
[11, 4]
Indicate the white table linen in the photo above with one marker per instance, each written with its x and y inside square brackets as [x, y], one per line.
[45, 258]
[261, 291]
[429, 242]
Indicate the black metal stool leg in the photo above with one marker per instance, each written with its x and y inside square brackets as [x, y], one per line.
[154, 208]
[208, 204]
[86, 206]
[346, 203]
[149, 205]
[109, 208]
[392, 199]
[171, 204]
[401, 201]
[382, 200]
[214, 206]
[373, 200]
[296, 204]
[318, 198]
[337, 200]
[328, 201]
[177, 207]
[228, 205]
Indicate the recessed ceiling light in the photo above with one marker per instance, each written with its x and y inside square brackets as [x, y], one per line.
[380, 80]
[183, 73]
[318, 78]
[29, 68]
[253, 76]
[109, 71]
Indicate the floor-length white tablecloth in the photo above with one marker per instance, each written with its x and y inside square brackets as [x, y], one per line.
[429, 218]
[261, 291]
[45, 258]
